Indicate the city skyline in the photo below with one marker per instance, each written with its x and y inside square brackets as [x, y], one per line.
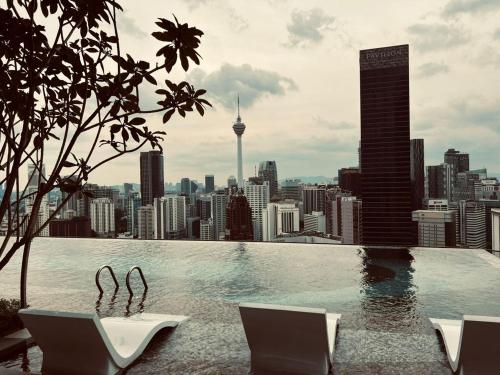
[304, 79]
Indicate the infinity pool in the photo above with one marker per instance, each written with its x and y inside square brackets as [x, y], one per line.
[385, 298]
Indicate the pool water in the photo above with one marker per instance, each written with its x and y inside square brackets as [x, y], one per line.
[385, 297]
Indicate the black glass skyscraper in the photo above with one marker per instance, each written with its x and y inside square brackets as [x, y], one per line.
[385, 147]
[417, 173]
[209, 183]
[152, 183]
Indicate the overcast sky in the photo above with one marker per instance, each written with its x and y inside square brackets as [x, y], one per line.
[295, 65]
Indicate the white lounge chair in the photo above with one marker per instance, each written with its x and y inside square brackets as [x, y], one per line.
[287, 339]
[79, 343]
[472, 344]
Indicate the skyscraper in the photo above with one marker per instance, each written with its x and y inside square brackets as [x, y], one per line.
[269, 173]
[209, 183]
[314, 198]
[459, 161]
[350, 180]
[204, 206]
[127, 188]
[291, 189]
[152, 184]
[239, 129]
[133, 204]
[102, 216]
[145, 220]
[34, 177]
[417, 173]
[440, 181]
[385, 147]
[351, 212]
[231, 182]
[239, 226]
[219, 203]
[257, 193]
[185, 186]
[169, 217]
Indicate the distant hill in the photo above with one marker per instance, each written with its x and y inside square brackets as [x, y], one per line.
[312, 179]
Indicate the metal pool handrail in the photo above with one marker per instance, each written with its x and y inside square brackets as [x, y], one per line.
[97, 275]
[142, 277]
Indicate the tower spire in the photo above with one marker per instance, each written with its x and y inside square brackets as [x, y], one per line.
[239, 118]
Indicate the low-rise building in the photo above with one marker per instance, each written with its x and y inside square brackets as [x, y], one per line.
[436, 228]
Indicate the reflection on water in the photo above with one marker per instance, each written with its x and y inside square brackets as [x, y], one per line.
[140, 305]
[387, 288]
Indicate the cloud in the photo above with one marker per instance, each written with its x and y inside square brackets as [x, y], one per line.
[252, 84]
[128, 26]
[333, 125]
[496, 34]
[308, 27]
[431, 69]
[437, 36]
[456, 7]
[193, 4]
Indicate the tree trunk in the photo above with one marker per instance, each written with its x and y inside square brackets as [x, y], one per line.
[24, 275]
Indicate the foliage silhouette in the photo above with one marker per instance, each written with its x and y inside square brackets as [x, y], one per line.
[58, 87]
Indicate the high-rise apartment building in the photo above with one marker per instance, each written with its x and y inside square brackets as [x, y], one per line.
[133, 204]
[145, 220]
[436, 228]
[268, 172]
[209, 183]
[351, 211]
[314, 198]
[152, 182]
[206, 230]
[257, 193]
[417, 173]
[279, 218]
[219, 204]
[169, 217]
[385, 146]
[239, 225]
[102, 216]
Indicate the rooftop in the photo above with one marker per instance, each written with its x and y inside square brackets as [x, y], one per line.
[385, 297]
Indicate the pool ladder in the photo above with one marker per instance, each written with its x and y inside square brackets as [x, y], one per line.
[117, 285]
